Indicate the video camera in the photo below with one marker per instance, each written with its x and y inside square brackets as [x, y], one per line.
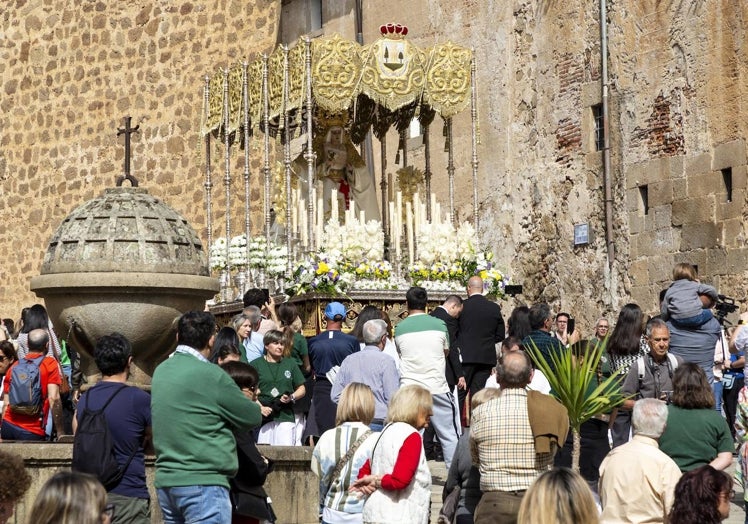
[723, 307]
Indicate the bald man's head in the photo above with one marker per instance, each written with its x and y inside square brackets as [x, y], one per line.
[475, 285]
[514, 370]
[38, 339]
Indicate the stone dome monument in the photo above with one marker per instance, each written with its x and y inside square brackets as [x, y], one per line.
[124, 262]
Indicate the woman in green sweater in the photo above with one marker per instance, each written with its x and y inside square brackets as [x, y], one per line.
[281, 384]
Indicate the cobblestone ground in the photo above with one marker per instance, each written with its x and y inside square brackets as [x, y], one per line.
[439, 476]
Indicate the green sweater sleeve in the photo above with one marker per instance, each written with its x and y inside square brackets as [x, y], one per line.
[240, 412]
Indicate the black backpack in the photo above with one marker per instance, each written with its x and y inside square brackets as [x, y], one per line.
[93, 448]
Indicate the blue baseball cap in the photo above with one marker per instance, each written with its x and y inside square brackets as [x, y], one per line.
[335, 311]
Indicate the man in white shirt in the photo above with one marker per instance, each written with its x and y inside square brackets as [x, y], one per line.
[637, 480]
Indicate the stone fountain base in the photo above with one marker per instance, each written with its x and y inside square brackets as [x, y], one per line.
[141, 306]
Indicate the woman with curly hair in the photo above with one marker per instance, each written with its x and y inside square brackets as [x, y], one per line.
[14, 482]
[702, 496]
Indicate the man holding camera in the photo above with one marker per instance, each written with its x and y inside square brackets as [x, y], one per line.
[651, 375]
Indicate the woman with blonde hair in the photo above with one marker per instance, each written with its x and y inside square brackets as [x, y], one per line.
[71, 497]
[341, 452]
[397, 479]
[558, 496]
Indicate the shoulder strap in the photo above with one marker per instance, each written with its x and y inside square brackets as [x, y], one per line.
[123, 386]
[640, 368]
[672, 364]
[347, 457]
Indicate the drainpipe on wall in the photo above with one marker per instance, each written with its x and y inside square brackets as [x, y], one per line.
[607, 175]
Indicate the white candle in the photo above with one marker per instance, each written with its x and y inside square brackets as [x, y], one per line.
[320, 215]
[362, 217]
[438, 211]
[409, 229]
[294, 203]
[304, 222]
[391, 209]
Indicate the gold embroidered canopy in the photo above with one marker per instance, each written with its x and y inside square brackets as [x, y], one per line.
[391, 72]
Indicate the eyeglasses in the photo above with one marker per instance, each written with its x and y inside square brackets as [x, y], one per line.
[3, 358]
[602, 327]
[109, 511]
[730, 494]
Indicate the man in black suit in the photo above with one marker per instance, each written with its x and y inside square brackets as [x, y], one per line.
[449, 311]
[481, 327]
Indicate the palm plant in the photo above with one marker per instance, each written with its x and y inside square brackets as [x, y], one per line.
[574, 382]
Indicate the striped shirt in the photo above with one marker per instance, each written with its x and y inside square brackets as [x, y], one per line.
[334, 444]
[502, 445]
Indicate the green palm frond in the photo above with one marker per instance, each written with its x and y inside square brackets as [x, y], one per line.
[574, 382]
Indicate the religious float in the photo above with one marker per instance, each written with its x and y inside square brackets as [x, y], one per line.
[324, 234]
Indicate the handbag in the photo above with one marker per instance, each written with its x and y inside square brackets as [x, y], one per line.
[253, 505]
[449, 508]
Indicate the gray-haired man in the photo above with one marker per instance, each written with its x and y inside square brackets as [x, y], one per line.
[637, 480]
[372, 367]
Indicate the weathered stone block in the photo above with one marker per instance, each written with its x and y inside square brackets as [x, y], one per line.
[660, 192]
[729, 154]
[737, 260]
[639, 272]
[703, 184]
[726, 210]
[702, 235]
[693, 210]
[716, 261]
[733, 232]
[636, 223]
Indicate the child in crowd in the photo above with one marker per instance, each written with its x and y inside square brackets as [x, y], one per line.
[684, 304]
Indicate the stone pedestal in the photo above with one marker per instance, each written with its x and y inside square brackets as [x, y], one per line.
[291, 485]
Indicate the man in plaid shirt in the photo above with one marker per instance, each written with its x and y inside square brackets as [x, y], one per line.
[503, 446]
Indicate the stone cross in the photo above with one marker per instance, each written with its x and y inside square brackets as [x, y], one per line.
[127, 131]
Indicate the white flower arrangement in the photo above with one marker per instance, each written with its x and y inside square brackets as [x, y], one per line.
[277, 260]
[217, 254]
[355, 240]
[238, 251]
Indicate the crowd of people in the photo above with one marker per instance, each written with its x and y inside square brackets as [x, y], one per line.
[456, 383]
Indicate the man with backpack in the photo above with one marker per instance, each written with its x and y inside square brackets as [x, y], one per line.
[112, 427]
[31, 392]
[651, 375]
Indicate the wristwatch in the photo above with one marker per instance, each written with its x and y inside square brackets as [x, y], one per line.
[293, 398]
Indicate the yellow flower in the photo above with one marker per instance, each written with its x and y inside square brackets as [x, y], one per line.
[322, 268]
[483, 274]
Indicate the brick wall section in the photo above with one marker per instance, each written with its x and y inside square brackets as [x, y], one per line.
[570, 70]
[663, 133]
[69, 72]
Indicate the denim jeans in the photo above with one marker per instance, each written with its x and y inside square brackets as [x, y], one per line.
[192, 504]
[12, 432]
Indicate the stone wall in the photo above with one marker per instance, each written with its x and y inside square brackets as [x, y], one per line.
[69, 72]
[677, 87]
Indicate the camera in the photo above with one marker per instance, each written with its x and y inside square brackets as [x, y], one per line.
[724, 306]
[666, 396]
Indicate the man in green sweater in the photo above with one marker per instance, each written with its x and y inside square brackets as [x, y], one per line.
[195, 408]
